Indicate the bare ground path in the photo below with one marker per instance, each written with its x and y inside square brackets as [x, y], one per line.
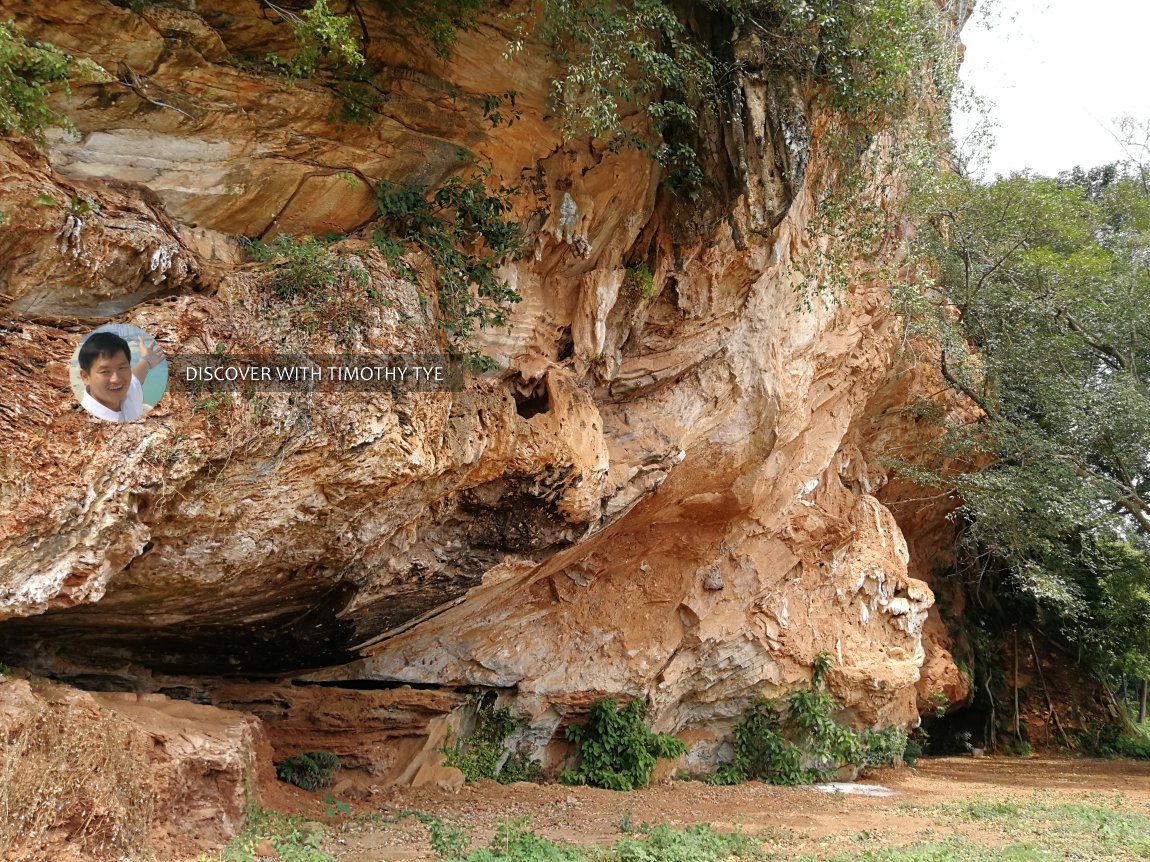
[791, 821]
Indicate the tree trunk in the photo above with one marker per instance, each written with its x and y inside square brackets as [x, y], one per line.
[1142, 702]
[1017, 733]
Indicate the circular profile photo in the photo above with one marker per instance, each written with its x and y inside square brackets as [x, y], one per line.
[119, 373]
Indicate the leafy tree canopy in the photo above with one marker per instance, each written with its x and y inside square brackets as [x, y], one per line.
[1046, 289]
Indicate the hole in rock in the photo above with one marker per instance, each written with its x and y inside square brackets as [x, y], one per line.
[532, 405]
[958, 732]
[566, 345]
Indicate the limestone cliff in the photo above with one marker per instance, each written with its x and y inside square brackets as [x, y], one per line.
[673, 494]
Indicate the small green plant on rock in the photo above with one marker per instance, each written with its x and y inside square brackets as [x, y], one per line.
[321, 36]
[213, 406]
[798, 741]
[617, 750]
[479, 754]
[463, 228]
[493, 108]
[321, 288]
[312, 771]
[938, 702]
[306, 266]
[336, 806]
[27, 72]
[440, 22]
[641, 280]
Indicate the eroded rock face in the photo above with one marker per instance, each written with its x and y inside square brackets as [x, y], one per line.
[136, 773]
[662, 495]
[392, 735]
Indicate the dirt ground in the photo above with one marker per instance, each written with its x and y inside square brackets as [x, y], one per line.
[791, 820]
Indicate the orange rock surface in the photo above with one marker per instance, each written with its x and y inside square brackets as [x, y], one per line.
[678, 496]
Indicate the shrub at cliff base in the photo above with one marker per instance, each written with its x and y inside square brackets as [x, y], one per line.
[616, 750]
[796, 740]
[312, 771]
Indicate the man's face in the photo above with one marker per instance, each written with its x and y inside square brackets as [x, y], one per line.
[108, 380]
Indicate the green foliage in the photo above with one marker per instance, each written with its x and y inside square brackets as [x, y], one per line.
[1019, 748]
[448, 841]
[884, 747]
[213, 406]
[312, 771]
[514, 842]
[336, 807]
[77, 206]
[493, 108]
[1109, 740]
[315, 288]
[481, 754]
[1048, 280]
[520, 767]
[762, 751]
[641, 280]
[286, 834]
[617, 750]
[1136, 747]
[440, 22]
[875, 58]
[698, 843]
[937, 701]
[797, 740]
[463, 228]
[619, 57]
[359, 102]
[914, 748]
[306, 266]
[322, 38]
[876, 62]
[27, 72]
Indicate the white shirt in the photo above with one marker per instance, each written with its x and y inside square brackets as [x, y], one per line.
[131, 409]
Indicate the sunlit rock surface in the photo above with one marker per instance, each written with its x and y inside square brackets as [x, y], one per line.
[677, 496]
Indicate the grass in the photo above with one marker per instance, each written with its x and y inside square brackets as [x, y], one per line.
[284, 832]
[1104, 828]
[1024, 832]
[515, 842]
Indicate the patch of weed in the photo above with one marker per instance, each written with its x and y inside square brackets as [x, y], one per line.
[284, 832]
[797, 740]
[322, 38]
[616, 749]
[481, 754]
[312, 771]
[515, 842]
[698, 843]
[463, 229]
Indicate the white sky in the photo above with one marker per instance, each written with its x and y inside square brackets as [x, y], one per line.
[1059, 73]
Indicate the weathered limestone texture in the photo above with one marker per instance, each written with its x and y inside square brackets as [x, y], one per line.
[671, 493]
